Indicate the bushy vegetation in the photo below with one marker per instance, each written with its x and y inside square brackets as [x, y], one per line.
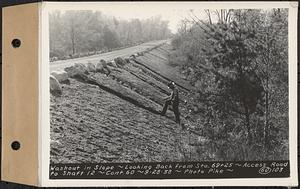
[81, 33]
[238, 62]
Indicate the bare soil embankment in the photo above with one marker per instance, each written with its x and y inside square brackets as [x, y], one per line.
[115, 118]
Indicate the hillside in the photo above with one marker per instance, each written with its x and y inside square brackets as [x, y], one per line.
[115, 118]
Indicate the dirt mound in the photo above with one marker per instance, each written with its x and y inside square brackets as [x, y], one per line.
[55, 88]
[61, 76]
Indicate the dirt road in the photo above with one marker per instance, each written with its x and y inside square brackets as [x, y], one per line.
[61, 64]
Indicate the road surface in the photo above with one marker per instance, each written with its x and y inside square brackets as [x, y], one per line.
[61, 64]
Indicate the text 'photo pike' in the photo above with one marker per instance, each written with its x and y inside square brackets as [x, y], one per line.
[146, 91]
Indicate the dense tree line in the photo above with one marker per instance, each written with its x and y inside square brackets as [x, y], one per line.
[238, 62]
[80, 33]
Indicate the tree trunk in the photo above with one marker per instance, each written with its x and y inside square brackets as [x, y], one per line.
[73, 36]
[266, 127]
[209, 16]
[247, 118]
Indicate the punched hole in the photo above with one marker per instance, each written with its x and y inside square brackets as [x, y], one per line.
[15, 145]
[16, 43]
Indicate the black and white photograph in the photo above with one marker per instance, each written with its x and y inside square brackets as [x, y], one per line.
[137, 84]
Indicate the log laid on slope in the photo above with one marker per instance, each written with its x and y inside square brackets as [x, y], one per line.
[164, 77]
[88, 79]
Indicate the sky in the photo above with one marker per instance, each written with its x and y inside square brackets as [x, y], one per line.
[174, 12]
[171, 12]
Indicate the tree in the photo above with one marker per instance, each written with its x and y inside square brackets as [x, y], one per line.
[110, 38]
[239, 62]
[80, 33]
[272, 40]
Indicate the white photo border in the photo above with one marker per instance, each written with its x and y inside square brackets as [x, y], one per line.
[44, 100]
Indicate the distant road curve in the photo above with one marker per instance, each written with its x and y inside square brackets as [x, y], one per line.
[61, 64]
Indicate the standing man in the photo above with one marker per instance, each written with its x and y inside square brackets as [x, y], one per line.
[174, 100]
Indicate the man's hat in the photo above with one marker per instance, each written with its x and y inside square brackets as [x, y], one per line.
[171, 84]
